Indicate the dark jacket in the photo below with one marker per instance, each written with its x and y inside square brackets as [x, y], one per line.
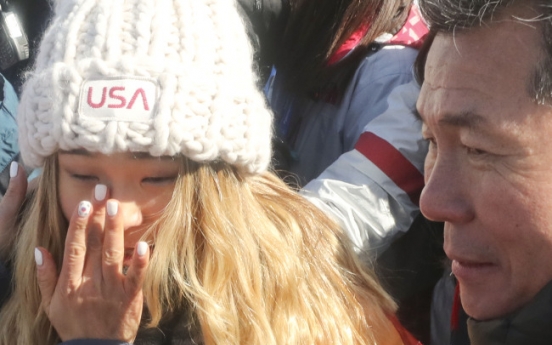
[532, 324]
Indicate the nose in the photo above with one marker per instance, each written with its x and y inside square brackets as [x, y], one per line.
[131, 213]
[129, 205]
[446, 195]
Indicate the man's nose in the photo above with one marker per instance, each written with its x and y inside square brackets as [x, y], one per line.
[445, 197]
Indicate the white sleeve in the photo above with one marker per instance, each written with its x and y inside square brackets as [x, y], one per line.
[373, 190]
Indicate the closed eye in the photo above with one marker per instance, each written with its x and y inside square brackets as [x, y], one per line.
[85, 178]
[159, 179]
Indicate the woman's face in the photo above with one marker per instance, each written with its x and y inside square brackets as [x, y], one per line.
[142, 184]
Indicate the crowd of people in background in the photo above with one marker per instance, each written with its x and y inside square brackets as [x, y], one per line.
[276, 172]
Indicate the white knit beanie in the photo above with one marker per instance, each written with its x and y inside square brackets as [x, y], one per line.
[158, 76]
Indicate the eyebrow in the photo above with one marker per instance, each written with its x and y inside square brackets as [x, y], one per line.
[467, 119]
[134, 155]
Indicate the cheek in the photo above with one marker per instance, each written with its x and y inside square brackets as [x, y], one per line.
[68, 204]
[155, 203]
[517, 227]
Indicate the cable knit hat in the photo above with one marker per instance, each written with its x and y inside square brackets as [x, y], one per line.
[158, 76]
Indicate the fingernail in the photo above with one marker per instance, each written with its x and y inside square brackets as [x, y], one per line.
[84, 208]
[141, 248]
[100, 192]
[14, 167]
[38, 257]
[112, 207]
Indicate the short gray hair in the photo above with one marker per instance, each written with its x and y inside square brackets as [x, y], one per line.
[450, 16]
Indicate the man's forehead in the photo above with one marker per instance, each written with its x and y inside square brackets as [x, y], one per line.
[504, 51]
[479, 68]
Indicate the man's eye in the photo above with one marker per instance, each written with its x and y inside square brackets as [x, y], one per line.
[431, 141]
[475, 152]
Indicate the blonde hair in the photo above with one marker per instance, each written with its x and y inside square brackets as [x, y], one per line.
[251, 260]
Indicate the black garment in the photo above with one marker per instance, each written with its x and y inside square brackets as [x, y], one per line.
[409, 270]
[172, 330]
[531, 325]
[265, 21]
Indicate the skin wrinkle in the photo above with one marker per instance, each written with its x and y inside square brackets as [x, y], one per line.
[478, 127]
[513, 128]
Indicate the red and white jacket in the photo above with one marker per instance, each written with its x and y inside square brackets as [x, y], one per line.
[373, 190]
[364, 157]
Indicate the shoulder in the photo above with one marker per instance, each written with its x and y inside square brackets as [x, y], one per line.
[383, 71]
[388, 61]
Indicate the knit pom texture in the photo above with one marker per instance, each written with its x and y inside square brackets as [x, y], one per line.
[166, 77]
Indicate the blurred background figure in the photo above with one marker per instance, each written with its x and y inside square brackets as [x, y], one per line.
[335, 66]
[344, 94]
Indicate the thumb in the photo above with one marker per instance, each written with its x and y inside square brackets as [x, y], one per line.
[46, 276]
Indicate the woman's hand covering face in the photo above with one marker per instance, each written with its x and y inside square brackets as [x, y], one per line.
[92, 297]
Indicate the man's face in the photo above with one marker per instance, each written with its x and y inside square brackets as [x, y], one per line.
[489, 167]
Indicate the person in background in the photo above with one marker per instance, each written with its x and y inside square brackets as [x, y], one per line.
[344, 102]
[344, 95]
[155, 220]
[336, 64]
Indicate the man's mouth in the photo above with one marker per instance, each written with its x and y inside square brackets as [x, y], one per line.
[467, 269]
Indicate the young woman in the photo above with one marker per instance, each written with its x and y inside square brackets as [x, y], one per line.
[155, 220]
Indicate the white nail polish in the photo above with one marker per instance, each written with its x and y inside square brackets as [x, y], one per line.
[38, 257]
[112, 207]
[84, 208]
[142, 248]
[14, 167]
[100, 192]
